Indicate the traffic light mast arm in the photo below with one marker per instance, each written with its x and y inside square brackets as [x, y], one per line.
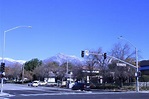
[122, 61]
[115, 58]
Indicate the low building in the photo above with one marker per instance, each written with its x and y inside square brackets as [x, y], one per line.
[51, 80]
[144, 67]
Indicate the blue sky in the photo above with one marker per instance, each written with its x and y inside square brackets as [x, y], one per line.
[69, 26]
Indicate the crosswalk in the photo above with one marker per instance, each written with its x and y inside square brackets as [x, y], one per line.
[32, 93]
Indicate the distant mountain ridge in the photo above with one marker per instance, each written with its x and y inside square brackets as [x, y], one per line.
[60, 58]
[9, 61]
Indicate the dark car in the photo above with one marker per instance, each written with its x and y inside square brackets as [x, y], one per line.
[81, 86]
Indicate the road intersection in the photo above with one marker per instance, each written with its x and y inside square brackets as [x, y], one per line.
[16, 91]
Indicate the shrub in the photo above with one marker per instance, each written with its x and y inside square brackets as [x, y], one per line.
[105, 86]
[130, 88]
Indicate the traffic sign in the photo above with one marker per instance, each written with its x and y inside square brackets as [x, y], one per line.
[121, 64]
[86, 52]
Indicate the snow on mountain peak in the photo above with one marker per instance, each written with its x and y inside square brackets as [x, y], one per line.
[15, 61]
[12, 61]
[61, 58]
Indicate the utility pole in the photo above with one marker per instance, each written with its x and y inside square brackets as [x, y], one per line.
[22, 73]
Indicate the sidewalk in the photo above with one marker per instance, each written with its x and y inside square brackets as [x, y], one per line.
[122, 91]
[4, 94]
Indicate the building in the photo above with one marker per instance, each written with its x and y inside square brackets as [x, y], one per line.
[144, 67]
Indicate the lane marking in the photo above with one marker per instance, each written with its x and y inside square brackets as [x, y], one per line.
[73, 93]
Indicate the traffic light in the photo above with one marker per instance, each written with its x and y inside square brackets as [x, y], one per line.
[82, 53]
[105, 55]
[2, 67]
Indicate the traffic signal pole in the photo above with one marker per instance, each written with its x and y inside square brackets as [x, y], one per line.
[2, 75]
[2, 81]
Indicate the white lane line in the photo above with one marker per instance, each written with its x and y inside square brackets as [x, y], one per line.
[73, 93]
[62, 93]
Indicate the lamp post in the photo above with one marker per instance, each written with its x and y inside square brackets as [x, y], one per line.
[67, 83]
[3, 50]
[67, 67]
[136, 52]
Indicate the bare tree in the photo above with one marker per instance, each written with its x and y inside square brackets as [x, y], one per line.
[96, 62]
[45, 70]
[28, 75]
[77, 72]
[14, 72]
[123, 52]
[39, 72]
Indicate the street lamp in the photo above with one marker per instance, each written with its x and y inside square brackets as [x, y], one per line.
[4, 36]
[136, 52]
[3, 50]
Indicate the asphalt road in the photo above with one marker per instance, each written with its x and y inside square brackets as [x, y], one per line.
[84, 96]
[25, 92]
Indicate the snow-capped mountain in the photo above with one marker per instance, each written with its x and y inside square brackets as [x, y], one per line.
[9, 61]
[62, 58]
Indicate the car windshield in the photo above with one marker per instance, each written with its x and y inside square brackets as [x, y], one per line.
[35, 82]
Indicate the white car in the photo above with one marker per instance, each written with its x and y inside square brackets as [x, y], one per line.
[41, 83]
[34, 84]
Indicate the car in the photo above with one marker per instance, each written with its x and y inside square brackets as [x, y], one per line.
[51, 84]
[41, 83]
[81, 86]
[34, 84]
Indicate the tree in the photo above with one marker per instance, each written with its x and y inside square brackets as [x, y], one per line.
[28, 75]
[32, 64]
[45, 70]
[123, 52]
[96, 62]
[77, 72]
[14, 72]
[40, 72]
[63, 69]
[53, 66]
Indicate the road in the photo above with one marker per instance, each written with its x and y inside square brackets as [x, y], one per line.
[88, 96]
[24, 92]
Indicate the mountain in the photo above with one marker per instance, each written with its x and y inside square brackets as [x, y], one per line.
[62, 58]
[10, 62]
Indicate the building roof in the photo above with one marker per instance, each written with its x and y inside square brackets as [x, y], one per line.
[144, 68]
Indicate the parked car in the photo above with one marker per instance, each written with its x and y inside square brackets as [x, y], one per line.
[41, 83]
[34, 84]
[51, 84]
[81, 86]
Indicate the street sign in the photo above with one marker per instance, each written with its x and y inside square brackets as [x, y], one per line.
[121, 64]
[86, 52]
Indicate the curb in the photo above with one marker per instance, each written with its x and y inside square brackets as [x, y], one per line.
[4, 94]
